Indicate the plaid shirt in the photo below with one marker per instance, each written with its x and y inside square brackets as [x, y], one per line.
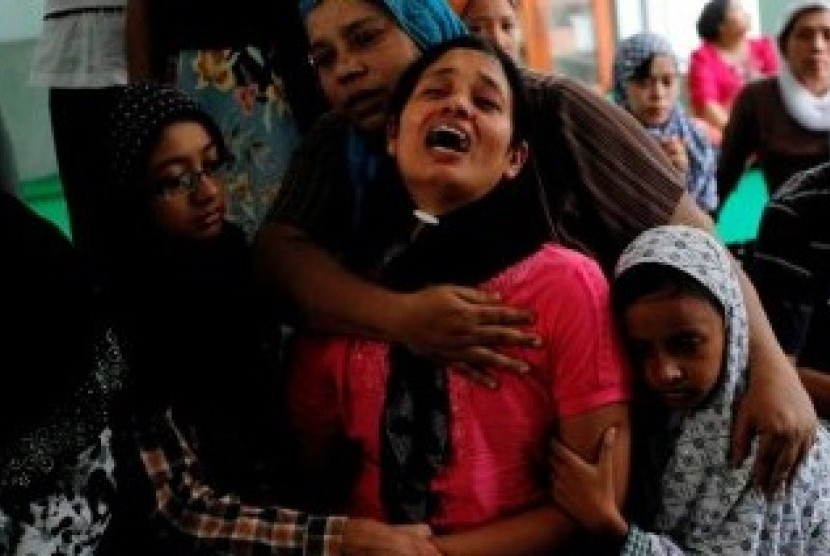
[223, 521]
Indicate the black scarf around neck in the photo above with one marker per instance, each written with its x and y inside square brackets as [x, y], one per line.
[465, 247]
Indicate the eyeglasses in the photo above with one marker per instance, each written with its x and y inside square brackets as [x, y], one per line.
[188, 181]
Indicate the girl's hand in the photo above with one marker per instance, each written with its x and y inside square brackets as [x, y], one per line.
[585, 490]
[366, 537]
[675, 148]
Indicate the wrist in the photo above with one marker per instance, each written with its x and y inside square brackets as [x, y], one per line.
[392, 320]
[618, 527]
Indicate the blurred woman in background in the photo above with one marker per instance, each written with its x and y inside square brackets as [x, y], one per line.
[783, 122]
[725, 61]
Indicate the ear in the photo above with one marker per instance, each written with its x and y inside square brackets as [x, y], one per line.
[392, 137]
[516, 158]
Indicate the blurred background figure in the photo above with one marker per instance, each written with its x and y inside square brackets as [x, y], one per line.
[8, 169]
[647, 84]
[80, 58]
[727, 59]
[494, 20]
[783, 122]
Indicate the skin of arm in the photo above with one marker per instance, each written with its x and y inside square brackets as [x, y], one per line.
[138, 40]
[714, 114]
[542, 529]
[776, 405]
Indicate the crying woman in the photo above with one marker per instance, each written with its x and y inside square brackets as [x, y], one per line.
[432, 446]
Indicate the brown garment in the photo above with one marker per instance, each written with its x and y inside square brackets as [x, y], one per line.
[760, 125]
[603, 177]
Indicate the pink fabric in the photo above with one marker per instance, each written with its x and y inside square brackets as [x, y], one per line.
[498, 437]
[711, 78]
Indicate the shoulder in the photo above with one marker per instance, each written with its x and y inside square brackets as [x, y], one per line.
[706, 52]
[762, 46]
[324, 140]
[804, 187]
[557, 85]
[566, 274]
[567, 101]
[760, 90]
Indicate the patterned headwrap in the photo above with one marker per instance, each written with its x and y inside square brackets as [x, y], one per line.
[632, 53]
[141, 113]
[706, 506]
[425, 21]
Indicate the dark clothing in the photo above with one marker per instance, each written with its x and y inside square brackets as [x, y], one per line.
[190, 324]
[603, 180]
[759, 125]
[80, 131]
[49, 311]
[792, 266]
[65, 381]
[8, 168]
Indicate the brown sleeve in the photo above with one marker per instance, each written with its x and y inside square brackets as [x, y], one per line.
[620, 181]
[316, 194]
[740, 140]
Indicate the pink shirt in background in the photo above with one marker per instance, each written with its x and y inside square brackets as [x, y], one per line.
[711, 78]
[499, 438]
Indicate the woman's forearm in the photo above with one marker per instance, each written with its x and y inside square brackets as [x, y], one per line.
[715, 114]
[329, 297]
[533, 532]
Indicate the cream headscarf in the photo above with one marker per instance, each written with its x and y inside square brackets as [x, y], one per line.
[810, 111]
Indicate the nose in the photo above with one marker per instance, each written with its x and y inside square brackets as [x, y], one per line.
[207, 188]
[457, 105]
[347, 67]
[662, 371]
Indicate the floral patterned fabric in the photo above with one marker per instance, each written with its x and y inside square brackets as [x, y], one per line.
[705, 506]
[242, 90]
[71, 519]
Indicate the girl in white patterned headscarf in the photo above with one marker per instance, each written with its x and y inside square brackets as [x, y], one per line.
[679, 299]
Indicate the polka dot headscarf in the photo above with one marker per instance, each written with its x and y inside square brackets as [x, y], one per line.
[141, 113]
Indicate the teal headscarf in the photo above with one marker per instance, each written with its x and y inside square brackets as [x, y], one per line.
[427, 22]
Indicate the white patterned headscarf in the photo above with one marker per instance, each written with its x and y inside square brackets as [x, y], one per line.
[706, 506]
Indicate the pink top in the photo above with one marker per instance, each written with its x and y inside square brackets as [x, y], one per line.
[498, 437]
[711, 78]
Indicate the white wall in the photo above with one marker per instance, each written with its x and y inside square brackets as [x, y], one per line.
[674, 19]
[25, 108]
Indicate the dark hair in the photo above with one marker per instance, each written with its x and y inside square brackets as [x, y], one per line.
[643, 71]
[649, 278]
[711, 18]
[784, 34]
[411, 76]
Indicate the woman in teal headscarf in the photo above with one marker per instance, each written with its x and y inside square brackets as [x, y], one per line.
[601, 179]
[425, 23]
